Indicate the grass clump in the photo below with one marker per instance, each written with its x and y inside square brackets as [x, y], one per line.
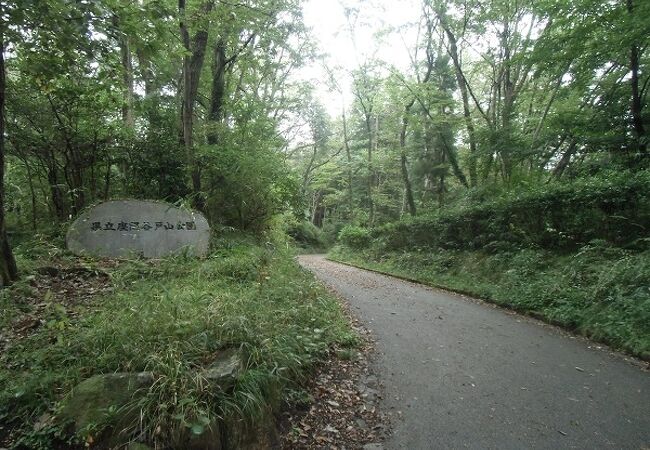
[171, 318]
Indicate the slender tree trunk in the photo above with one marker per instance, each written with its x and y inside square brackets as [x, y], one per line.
[192, 66]
[538, 129]
[404, 162]
[151, 91]
[348, 155]
[128, 115]
[8, 269]
[447, 147]
[188, 103]
[371, 206]
[32, 192]
[565, 160]
[76, 181]
[107, 180]
[318, 212]
[441, 183]
[305, 176]
[469, 124]
[215, 115]
[636, 105]
[55, 191]
[508, 92]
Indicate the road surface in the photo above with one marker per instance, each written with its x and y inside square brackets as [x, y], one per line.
[460, 373]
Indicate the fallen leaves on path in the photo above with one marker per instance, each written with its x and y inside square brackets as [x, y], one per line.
[344, 413]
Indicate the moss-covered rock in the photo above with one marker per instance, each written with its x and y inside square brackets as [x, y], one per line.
[105, 401]
[223, 372]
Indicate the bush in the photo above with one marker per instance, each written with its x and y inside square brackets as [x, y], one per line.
[307, 235]
[559, 216]
[355, 237]
[247, 185]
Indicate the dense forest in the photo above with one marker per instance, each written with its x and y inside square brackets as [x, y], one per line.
[198, 103]
[182, 102]
[500, 96]
[508, 160]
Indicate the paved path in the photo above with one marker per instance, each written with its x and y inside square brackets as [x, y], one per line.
[459, 373]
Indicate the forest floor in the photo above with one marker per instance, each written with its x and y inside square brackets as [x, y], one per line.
[69, 318]
[60, 285]
[461, 373]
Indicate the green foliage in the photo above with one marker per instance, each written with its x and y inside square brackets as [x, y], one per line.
[170, 318]
[152, 166]
[307, 235]
[575, 253]
[559, 215]
[355, 237]
[247, 185]
[93, 111]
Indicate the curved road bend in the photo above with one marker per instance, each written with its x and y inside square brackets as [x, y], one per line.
[459, 373]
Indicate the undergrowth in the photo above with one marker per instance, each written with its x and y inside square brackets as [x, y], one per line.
[171, 318]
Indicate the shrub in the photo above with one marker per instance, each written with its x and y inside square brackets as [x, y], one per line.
[354, 237]
[561, 216]
[306, 234]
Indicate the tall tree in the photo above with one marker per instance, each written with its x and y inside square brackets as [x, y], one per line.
[8, 269]
[192, 66]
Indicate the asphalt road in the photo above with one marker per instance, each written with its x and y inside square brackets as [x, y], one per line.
[460, 373]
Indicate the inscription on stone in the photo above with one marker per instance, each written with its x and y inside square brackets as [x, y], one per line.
[151, 229]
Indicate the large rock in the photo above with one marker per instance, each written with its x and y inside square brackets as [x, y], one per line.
[225, 369]
[108, 399]
[111, 400]
[136, 227]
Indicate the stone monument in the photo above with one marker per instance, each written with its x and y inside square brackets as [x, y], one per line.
[152, 229]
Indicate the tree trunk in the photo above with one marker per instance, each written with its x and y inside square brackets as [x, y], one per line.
[318, 212]
[462, 86]
[107, 180]
[55, 191]
[188, 101]
[77, 190]
[508, 102]
[218, 91]
[348, 155]
[371, 206]
[404, 162]
[565, 160]
[32, 193]
[128, 117]
[636, 105]
[8, 269]
[151, 91]
[192, 66]
[310, 165]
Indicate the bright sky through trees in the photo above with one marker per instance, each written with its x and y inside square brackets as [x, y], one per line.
[351, 32]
